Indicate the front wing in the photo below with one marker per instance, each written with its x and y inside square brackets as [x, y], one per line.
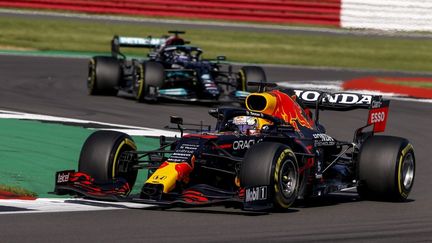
[200, 195]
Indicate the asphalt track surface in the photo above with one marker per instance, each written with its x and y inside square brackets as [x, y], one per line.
[56, 86]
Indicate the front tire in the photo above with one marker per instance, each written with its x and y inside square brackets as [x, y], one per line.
[250, 74]
[386, 168]
[100, 157]
[272, 164]
[104, 74]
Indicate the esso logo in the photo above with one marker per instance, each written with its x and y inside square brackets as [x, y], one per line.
[377, 117]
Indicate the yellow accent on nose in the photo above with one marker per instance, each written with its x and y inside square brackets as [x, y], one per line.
[167, 176]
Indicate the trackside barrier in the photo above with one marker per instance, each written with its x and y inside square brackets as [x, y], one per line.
[402, 15]
[316, 12]
[405, 15]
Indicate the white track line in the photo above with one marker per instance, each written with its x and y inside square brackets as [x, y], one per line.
[50, 205]
[131, 130]
[336, 86]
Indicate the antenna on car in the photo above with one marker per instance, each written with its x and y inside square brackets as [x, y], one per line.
[177, 32]
[179, 121]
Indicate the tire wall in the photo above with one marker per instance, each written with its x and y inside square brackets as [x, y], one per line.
[401, 15]
[322, 12]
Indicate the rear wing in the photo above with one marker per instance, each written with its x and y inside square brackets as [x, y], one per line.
[344, 101]
[136, 42]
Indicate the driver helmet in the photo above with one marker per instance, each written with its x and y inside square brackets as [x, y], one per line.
[181, 56]
[249, 124]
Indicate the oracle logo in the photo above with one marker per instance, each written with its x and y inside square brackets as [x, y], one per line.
[243, 144]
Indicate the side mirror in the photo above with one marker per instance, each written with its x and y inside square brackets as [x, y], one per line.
[176, 120]
[152, 55]
[221, 58]
[115, 46]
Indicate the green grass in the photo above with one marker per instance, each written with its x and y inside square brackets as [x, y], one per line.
[18, 191]
[414, 84]
[34, 151]
[239, 46]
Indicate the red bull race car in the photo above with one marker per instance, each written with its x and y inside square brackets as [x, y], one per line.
[258, 158]
[173, 69]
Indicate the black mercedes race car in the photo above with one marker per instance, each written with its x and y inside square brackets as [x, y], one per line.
[173, 70]
[265, 156]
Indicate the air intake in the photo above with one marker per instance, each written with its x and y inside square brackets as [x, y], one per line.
[261, 102]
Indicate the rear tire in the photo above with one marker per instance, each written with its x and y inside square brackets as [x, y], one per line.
[100, 156]
[103, 76]
[148, 77]
[272, 164]
[251, 74]
[386, 168]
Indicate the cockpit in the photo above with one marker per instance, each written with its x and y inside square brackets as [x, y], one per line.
[181, 54]
[247, 125]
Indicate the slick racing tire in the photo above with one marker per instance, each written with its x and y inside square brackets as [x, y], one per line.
[275, 165]
[148, 77]
[386, 168]
[100, 157]
[251, 74]
[104, 74]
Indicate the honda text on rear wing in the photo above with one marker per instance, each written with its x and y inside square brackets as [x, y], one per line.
[344, 101]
